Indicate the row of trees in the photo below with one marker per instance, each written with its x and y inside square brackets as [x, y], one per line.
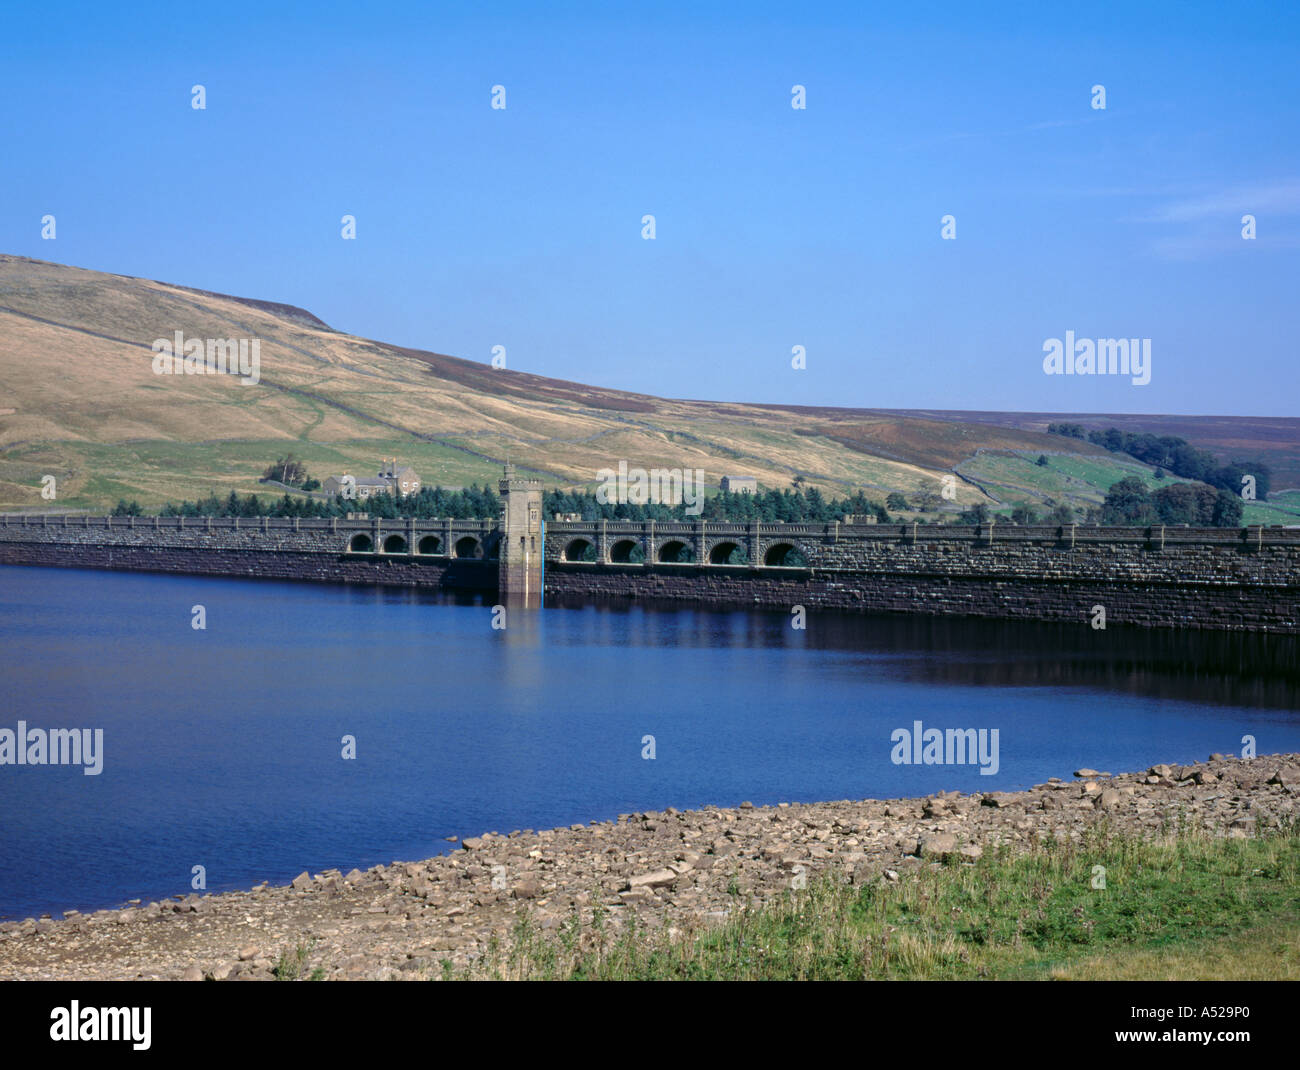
[468, 503]
[1176, 455]
[1128, 502]
[791, 506]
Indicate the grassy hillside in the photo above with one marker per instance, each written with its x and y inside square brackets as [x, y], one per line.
[79, 401]
[1272, 439]
[1016, 477]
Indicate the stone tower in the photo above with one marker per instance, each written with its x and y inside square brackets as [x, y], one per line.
[519, 576]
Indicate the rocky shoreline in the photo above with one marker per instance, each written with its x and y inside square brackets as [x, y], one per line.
[669, 868]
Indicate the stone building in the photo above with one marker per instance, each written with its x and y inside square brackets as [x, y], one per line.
[399, 481]
[358, 487]
[403, 480]
[739, 484]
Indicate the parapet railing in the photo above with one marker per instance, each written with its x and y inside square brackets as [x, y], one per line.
[1070, 534]
[239, 523]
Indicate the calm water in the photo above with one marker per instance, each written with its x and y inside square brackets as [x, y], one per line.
[222, 747]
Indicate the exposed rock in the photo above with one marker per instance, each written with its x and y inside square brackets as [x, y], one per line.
[660, 878]
[936, 845]
[1108, 799]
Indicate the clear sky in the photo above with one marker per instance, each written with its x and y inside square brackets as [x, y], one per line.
[775, 227]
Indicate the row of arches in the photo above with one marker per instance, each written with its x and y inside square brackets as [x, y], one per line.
[621, 551]
[677, 552]
[429, 545]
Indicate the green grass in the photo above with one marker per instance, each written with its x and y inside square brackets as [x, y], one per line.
[291, 964]
[1180, 905]
[1079, 480]
[1070, 478]
[1283, 507]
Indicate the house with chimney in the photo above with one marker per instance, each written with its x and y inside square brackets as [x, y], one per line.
[392, 478]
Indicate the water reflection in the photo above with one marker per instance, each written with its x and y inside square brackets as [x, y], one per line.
[1232, 668]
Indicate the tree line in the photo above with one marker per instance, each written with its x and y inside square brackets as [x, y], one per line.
[1128, 503]
[792, 506]
[1176, 455]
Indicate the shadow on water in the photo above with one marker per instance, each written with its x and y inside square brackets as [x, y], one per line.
[1224, 668]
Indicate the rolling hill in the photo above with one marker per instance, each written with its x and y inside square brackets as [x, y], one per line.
[79, 400]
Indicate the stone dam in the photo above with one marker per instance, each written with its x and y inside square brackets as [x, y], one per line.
[1239, 579]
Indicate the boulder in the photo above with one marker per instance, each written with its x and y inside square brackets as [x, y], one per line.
[936, 845]
[1108, 799]
[659, 878]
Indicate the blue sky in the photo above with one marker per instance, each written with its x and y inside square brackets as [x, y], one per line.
[775, 227]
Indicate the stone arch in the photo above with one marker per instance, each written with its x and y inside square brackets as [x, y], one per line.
[579, 550]
[467, 546]
[625, 552]
[395, 544]
[727, 552]
[430, 544]
[361, 543]
[676, 552]
[785, 555]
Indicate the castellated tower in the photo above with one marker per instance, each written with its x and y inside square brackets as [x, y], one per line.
[519, 577]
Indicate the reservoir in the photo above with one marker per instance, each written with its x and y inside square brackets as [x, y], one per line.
[223, 747]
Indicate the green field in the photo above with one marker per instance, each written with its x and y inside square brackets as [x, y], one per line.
[1083, 481]
[1071, 478]
[1282, 507]
[1183, 906]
